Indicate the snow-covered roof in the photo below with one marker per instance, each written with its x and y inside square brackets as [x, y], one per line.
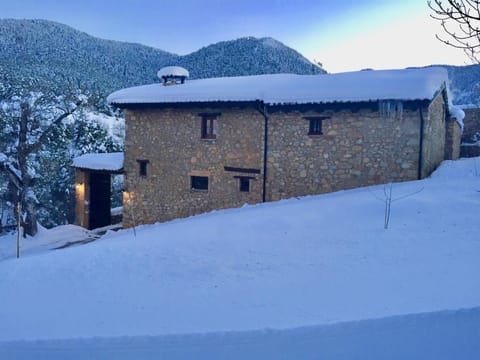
[458, 114]
[408, 84]
[173, 71]
[106, 161]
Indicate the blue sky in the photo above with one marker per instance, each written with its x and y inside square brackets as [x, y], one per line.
[342, 34]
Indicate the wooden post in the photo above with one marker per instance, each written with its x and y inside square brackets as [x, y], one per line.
[19, 217]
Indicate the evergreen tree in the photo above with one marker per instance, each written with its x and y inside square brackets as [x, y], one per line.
[30, 120]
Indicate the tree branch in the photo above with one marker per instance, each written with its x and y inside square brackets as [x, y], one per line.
[41, 140]
[464, 15]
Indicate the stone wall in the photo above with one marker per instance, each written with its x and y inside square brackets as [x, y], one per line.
[171, 142]
[356, 149]
[434, 135]
[452, 140]
[471, 133]
[471, 122]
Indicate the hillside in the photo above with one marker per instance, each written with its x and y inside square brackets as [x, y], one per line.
[246, 56]
[57, 55]
[328, 282]
[465, 84]
[60, 56]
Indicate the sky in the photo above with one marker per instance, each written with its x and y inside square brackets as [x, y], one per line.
[343, 35]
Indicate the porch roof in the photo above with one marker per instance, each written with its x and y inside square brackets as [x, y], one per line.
[111, 162]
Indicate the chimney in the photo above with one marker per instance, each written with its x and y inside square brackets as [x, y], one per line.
[173, 75]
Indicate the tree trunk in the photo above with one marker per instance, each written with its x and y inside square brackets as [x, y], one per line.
[30, 223]
[32, 135]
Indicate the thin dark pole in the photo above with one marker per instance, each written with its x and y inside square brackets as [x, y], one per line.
[19, 216]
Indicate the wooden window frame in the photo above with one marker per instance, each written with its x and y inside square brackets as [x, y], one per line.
[209, 125]
[242, 181]
[315, 126]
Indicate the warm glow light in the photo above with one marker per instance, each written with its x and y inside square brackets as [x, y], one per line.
[80, 189]
[127, 197]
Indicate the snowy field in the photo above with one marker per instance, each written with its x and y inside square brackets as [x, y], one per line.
[311, 278]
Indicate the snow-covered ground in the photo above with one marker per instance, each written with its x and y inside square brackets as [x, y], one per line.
[308, 278]
[53, 239]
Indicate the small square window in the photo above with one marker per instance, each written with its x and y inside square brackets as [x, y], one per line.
[142, 167]
[199, 183]
[315, 124]
[244, 184]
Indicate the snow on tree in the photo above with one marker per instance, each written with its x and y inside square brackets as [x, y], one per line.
[29, 119]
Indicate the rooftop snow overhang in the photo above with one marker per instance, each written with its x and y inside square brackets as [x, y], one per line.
[288, 89]
[103, 162]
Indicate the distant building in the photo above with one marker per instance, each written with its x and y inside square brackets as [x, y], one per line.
[470, 142]
[223, 142]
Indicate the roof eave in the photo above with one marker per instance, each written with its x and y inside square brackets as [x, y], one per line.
[334, 105]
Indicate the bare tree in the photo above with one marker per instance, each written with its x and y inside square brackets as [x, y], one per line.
[387, 199]
[28, 121]
[460, 20]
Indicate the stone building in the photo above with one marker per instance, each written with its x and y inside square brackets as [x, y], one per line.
[219, 143]
[470, 141]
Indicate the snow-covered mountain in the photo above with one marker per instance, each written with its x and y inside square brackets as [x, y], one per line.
[246, 56]
[465, 84]
[58, 55]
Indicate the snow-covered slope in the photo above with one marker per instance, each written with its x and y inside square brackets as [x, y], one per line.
[321, 270]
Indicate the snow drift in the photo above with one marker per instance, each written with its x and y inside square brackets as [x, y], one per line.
[303, 278]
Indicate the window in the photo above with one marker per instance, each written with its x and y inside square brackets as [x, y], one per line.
[209, 126]
[200, 183]
[244, 184]
[315, 126]
[142, 167]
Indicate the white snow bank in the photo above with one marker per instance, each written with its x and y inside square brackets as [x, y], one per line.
[408, 84]
[43, 241]
[106, 161]
[318, 261]
[442, 335]
[116, 211]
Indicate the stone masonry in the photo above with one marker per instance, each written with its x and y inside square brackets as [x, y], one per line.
[434, 135]
[356, 148]
[171, 142]
[471, 133]
[452, 140]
